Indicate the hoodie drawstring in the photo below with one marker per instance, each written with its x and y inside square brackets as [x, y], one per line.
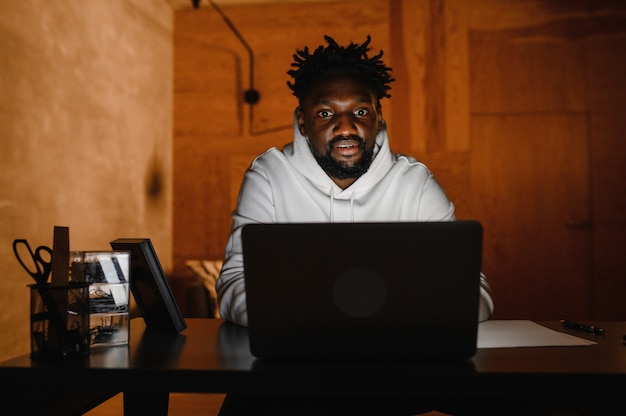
[352, 207]
[332, 205]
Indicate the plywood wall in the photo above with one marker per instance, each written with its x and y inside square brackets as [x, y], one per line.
[85, 134]
[514, 104]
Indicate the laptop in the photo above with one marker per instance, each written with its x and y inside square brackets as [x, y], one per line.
[363, 290]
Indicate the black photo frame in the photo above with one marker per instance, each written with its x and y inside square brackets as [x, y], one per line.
[150, 287]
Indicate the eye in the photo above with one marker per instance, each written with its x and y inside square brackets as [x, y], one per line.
[361, 112]
[325, 113]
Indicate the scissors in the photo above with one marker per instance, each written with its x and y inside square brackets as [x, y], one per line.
[42, 266]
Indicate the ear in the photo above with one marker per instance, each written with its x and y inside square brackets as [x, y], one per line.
[300, 116]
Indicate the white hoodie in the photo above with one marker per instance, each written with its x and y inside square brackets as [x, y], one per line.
[290, 186]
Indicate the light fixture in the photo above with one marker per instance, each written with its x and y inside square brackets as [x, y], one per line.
[251, 95]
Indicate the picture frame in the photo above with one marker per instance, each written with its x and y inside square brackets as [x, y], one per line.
[150, 287]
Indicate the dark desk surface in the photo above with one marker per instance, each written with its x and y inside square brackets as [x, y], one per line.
[212, 356]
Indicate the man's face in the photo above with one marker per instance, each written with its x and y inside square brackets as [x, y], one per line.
[341, 117]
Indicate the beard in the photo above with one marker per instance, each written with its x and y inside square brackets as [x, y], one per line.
[338, 169]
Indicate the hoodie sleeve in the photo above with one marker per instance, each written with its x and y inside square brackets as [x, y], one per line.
[485, 307]
[255, 204]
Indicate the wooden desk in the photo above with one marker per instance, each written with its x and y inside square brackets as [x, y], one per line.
[212, 356]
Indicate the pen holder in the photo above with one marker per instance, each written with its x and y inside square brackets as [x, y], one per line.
[59, 320]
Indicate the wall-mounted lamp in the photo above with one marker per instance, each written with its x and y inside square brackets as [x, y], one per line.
[251, 95]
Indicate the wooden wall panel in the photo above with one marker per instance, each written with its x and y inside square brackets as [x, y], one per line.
[557, 60]
[606, 68]
[430, 97]
[513, 72]
[206, 189]
[606, 94]
[530, 182]
[431, 80]
[515, 105]
[456, 75]
[197, 85]
[608, 155]
[409, 126]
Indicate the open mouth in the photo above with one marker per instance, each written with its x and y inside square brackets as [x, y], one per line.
[346, 147]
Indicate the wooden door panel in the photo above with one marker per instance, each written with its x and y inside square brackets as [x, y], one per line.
[514, 73]
[530, 189]
[608, 153]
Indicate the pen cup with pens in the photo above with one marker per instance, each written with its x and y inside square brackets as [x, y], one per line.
[80, 299]
[59, 320]
[59, 309]
[108, 275]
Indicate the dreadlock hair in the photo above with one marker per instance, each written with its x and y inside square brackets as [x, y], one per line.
[351, 59]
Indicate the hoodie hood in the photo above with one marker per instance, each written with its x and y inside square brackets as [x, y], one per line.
[299, 155]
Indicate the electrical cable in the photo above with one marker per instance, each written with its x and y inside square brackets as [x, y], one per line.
[251, 95]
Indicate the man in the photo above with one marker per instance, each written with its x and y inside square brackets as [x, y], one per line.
[339, 167]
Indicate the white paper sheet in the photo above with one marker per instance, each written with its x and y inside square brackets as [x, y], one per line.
[523, 333]
[119, 292]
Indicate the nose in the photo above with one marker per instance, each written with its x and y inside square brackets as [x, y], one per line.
[344, 125]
